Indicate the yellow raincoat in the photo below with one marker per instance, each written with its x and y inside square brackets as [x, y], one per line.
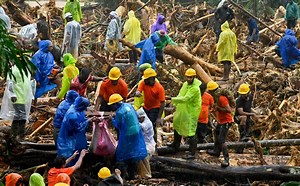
[132, 28]
[226, 46]
[188, 107]
[70, 71]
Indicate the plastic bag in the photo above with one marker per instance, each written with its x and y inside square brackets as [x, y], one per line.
[103, 142]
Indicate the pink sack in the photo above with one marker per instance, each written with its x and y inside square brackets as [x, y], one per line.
[103, 142]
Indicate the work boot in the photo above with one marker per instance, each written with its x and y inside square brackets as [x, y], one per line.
[176, 142]
[213, 153]
[193, 145]
[225, 163]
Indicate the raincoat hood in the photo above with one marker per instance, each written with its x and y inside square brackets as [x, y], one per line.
[2, 11]
[131, 14]
[289, 32]
[114, 14]
[68, 59]
[71, 96]
[160, 18]
[12, 178]
[81, 103]
[155, 38]
[36, 180]
[225, 26]
[44, 45]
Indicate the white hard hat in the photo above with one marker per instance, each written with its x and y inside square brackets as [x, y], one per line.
[68, 14]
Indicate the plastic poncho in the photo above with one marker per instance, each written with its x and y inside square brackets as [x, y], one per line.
[74, 8]
[226, 46]
[157, 26]
[12, 178]
[5, 18]
[292, 11]
[29, 32]
[188, 107]
[69, 73]
[63, 108]
[71, 136]
[114, 30]
[163, 41]
[131, 144]
[289, 52]
[132, 28]
[72, 37]
[148, 50]
[36, 180]
[22, 90]
[44, 62]
[148, 132]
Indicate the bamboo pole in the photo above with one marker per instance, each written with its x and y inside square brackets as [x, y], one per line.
[41, 127]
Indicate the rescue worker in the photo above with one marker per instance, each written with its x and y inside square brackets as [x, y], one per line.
[132, 31]
[226, 48]
[44, 63]
[159, 24]
[222, 14]
[287, 49]
[148, 50]
[110, 179]
[43, 28]
[291, 14]
[224, 118]
[73, 6]
[61, 111]
[113, 34]
[69, 73]
[63, 178]
[207, 103]
[5, 19]
[113, 85]
[154, 97]
[188, 106]
[36, 180]
[13, 179]
[253, 32]
[164, 40]
[16, 101]
[72, 36]
[131, 145]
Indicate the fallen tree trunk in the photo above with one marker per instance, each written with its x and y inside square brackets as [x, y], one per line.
[17, 15]
[188, 169]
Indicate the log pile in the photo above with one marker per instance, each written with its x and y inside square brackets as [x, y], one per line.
[275, 89]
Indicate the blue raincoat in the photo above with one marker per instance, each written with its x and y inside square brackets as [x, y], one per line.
[289, 52]
[71, 136]
[148, 51]
[44, 62]
[63, 107]
[131, 144]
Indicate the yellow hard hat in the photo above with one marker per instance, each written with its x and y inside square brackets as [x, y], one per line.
[114, 73]
[61, 184]
[149, 72]
[190, 72]
[114, 98]
[212, 85]
[104, 172]
[244, 89]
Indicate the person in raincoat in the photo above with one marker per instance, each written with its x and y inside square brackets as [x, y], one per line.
[36, 180]
[72, 36]
[72, 136]
[159, 24]
[226, 48]
[148, 50]
[5, 18]
[13, 179]
[188, 107]
[73, 6]
[223, 13]
[131, 146]
[144, 169]
[62, 110]
[29, 32]
[44, 63]
[132, 31]
[113, 34]
[164, 40]
[16, 101]
[287, 49]
[70, 71]
[292, 14]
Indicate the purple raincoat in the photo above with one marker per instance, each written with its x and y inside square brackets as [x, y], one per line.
[159, 25]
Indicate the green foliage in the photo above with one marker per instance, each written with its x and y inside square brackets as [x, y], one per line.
[11, 55]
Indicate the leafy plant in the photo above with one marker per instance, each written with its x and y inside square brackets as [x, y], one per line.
[11, 55]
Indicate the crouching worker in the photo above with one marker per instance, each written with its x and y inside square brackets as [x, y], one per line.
[108, 179]
[13, 179]
[144, 169]
[131, 145]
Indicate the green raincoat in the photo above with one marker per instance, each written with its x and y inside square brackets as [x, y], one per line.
[226, 46]
[188, 107]
[292, 11]
[163, 41]
[70, 71]
[74, 8]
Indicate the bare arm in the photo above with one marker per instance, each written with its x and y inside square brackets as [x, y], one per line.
[98, 102]
[224, 109]
[242, 113]
[79, 161]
